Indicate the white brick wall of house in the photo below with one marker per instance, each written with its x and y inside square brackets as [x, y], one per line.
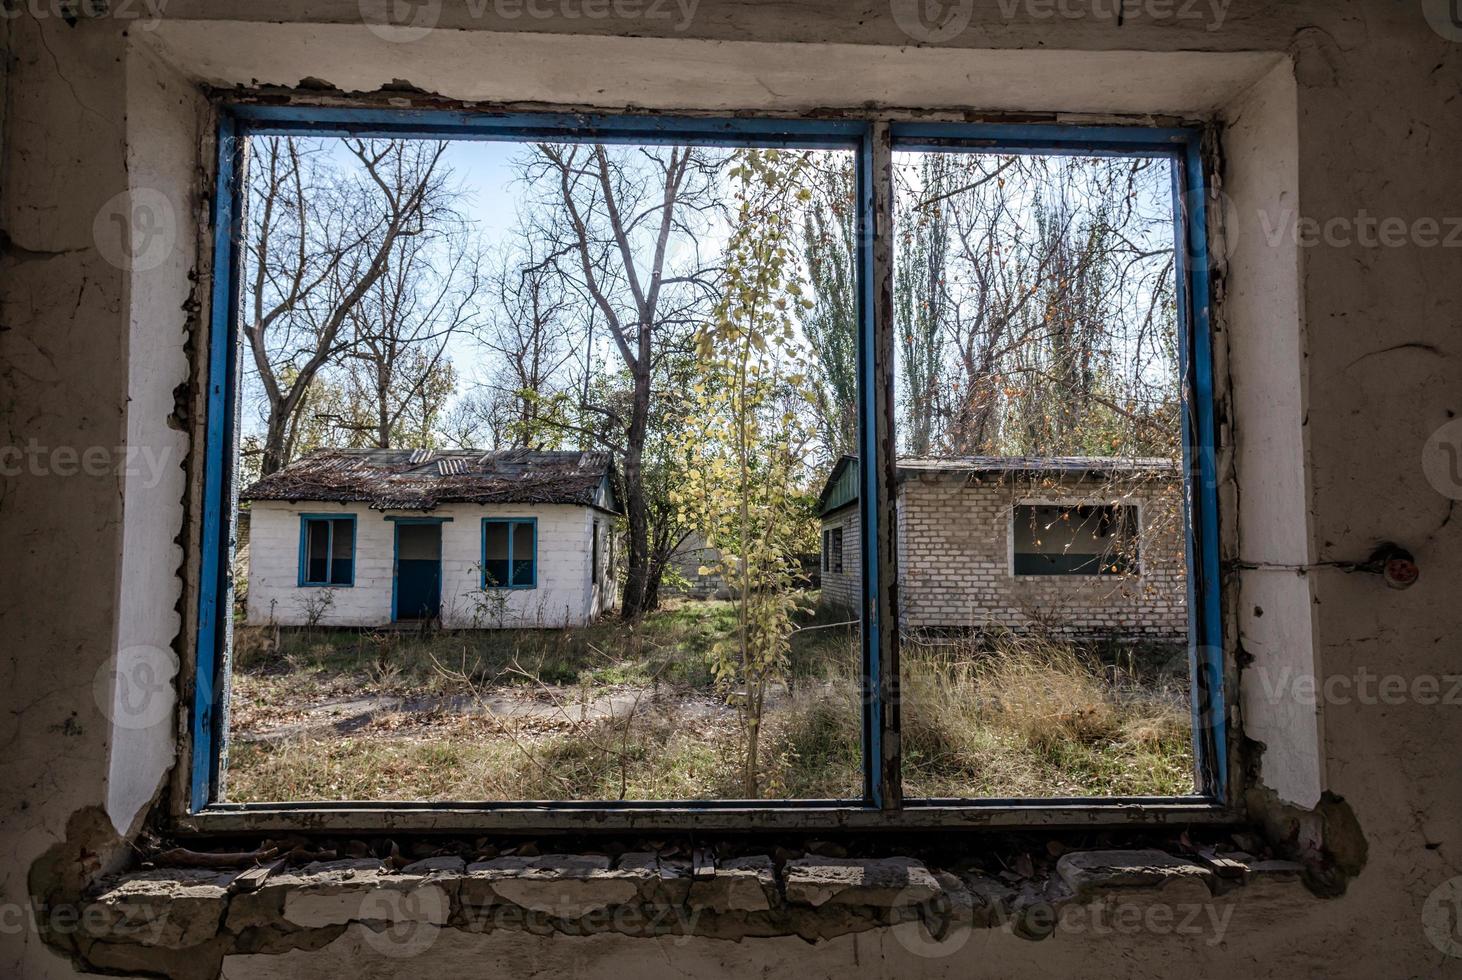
[565, 593]
[955, 561]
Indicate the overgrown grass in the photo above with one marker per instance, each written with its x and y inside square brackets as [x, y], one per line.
[1003, 717]
[1024, 716]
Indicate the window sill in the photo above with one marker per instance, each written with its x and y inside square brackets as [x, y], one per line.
[362, 817]
[403, 906]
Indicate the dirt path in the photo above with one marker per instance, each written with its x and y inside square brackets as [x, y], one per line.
[547, 704]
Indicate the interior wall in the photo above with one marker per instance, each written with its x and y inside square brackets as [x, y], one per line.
[1267, 376]
[83, 362]
[164, 118]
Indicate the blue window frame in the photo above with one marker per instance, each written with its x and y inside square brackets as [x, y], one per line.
[872, 139]
[509, 553]
[327, 550]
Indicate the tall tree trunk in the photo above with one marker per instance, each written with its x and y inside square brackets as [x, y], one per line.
[276, 452]
[383, 414]
[637, 578]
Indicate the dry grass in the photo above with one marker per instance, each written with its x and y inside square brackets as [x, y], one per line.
[1012, 717]
[1022, 717]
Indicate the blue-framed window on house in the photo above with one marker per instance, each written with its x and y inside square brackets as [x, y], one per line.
[327, 550]
[509, 553]
[967, 319]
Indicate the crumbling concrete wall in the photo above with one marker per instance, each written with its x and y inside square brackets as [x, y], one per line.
[1374, 94]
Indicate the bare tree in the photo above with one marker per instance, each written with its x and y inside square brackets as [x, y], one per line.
[531, 338]
[624, 227]
[1036, 306]
[319, 239]
[399, 367]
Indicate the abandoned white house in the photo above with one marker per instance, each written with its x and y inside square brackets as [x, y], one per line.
[1079, 545]
[368, 537]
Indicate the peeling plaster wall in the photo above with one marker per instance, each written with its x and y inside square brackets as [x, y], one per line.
[1275, 600]
[1376, 102]
[63, 383]
[163, 137]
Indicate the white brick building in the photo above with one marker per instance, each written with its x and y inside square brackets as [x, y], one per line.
[472, 539]
[1090, 547]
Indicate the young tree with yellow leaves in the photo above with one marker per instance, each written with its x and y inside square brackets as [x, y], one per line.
[747, 446]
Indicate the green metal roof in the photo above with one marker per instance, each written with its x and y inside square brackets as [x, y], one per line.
[841, 488]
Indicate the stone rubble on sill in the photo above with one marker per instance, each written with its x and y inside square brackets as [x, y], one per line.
[814, 896]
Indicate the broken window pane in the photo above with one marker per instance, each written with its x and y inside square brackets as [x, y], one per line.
[1084, 539]
[318, 569]
[342, 551]
[495, 553]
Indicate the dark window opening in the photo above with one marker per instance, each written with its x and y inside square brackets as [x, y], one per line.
[594, 555]
[1086, 539]
[509, 557]
[832, 550]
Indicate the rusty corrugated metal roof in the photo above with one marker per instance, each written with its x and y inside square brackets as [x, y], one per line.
[420, 479]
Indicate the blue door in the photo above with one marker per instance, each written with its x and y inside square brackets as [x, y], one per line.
[418, 571]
